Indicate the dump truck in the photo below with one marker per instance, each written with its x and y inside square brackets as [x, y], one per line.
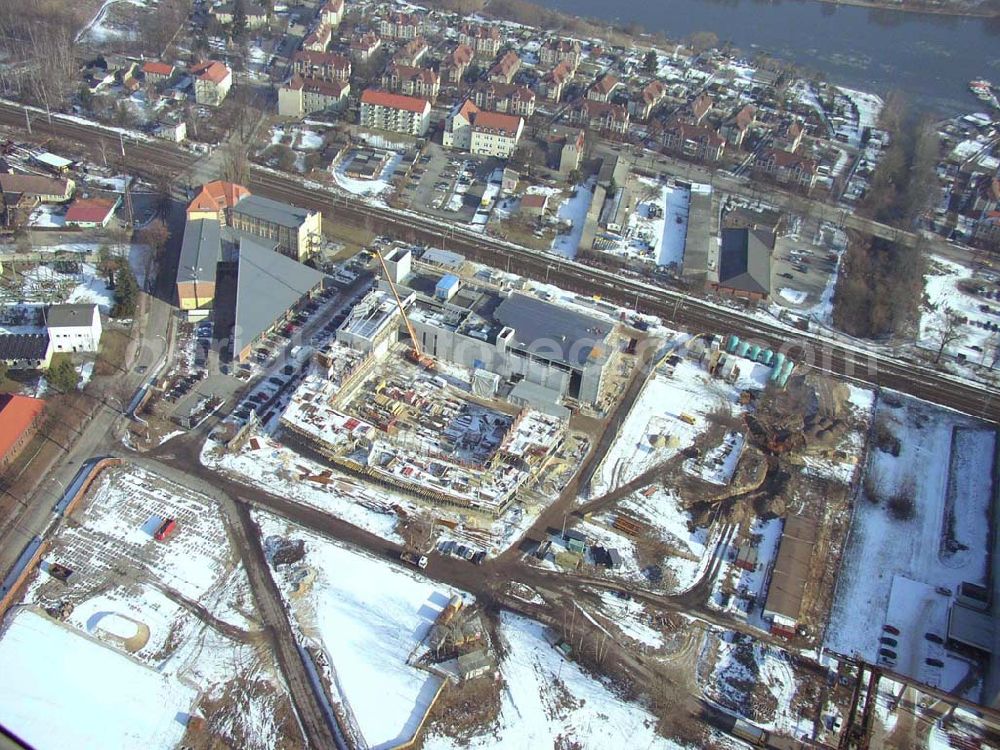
[413, 558]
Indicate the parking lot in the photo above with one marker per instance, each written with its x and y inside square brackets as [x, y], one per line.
[804, 264]
[448, 186]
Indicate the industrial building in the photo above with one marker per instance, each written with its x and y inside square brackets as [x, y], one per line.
[786, 588]
[294, 230]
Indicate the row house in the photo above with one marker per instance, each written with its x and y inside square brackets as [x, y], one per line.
[602, 88]
[734, 129]
[400, 26]
[600, 116]
[303, 96]
[412, 81]
[319, 39]
[332, 13]
[255, 15]
[212, 81]
[641, 105]
[700, 108]
[455, 63]
[786, 167]
[329, 66]
[469, 128]
[692, 141]
[364, 46]
[553, 82]
[505, 68]
[505, 98]
[484, 40]
[382, 110]
[412, 52]
[555, 51]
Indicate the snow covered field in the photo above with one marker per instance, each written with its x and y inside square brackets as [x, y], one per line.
[574, 210]
[370, 188]
[901, 571]
[71, 691]
[941, 287]
[368, 616]
[547, 697]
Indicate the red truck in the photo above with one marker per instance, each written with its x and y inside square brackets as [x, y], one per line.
[165, 529]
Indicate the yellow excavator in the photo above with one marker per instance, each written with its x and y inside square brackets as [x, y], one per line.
[416, 354]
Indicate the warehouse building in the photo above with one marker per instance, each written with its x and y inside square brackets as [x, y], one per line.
[786, 588]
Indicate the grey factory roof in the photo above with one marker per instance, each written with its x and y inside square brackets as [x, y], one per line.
[971, 627]
[200, 251]
[552, 331]
[268, 284]
[15, 346]
[745, 261]
[70, 316]
[271, 211]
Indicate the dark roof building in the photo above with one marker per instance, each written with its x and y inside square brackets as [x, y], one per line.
[268, 285]
[201, 250]
[563, 335]
[744, 263]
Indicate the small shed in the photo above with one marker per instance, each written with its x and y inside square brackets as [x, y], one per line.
[575, 541]
[447, 287]
[614, 559]
[475, 664]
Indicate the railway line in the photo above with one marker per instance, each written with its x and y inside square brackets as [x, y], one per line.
[868, 366]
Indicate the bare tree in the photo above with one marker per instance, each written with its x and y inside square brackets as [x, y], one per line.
[950, 332]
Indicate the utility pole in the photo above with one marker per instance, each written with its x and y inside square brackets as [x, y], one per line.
[27, 120]
[128, 196]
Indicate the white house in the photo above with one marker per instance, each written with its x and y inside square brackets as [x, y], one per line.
[74, 328]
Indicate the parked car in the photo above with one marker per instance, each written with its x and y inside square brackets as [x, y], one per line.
[933, 637]
[479, 557]
[888, 653]
[460, 550]
[932, 662]
[889, 642]
[469, 553]
[891, 629]
[276, 381]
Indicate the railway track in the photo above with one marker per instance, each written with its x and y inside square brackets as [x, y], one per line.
[869, 366]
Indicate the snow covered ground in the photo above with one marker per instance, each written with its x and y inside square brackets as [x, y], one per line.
[72, 691]
[657, 229]
[574, 210]
[901, 571]
[44, 284]
[550, 702]
[368, 615]
[370, 188]
[979, 334]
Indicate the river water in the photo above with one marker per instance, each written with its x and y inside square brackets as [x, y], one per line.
[931, 58]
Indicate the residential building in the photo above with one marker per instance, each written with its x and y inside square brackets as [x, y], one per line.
[455, 63]
[256, 15]
[507, 98]
[174, 132]
[302, 96]
[412, 52]
[700, 108]
[552, 83]
[788, 136]
[642, 104]
[692, 141]
[19, 418]
[468, 128]
[215, 200]
[36, 188]
[26, 351]
[533, 205]
[318, 39]
[212, 81]
[74, 328]
[742, 267]
[363, 46]
[556, 51]
[735, 128]
[485, 40]
[504, 70]
[90, 213]
[401, 26]
[201, 250]
[603, 88]
[600, 116]
[382, 110]
[786, 168]
[332, 13]
[156, 72]
[293, 230]
[328, 66]
[405, 79]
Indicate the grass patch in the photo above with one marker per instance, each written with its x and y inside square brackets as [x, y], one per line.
[111, 359]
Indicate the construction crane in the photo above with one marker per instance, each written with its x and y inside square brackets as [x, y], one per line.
[415, 355]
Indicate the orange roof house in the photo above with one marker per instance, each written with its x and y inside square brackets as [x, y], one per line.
[18, 417]
[215, 200]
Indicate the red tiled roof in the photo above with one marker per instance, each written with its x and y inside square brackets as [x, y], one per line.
[535, 200]
[321, 58]
[606, 84]
[330, 88]
[497, 121]
[17, 413]
[89, 210]
[217, 195]
[211, 70]
[394, 101]
[157, 68]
